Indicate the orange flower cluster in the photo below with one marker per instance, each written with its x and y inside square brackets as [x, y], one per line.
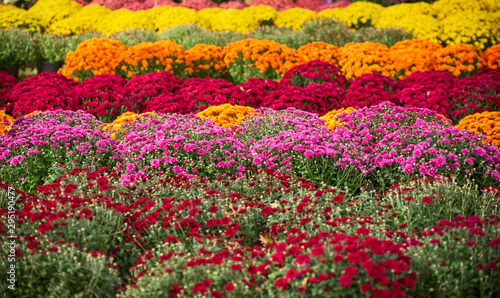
[226, 115]
[459, 59]
[259, 58]
[413, 55]
[367, 57]
[93, 57]
[207, 61]
[331, 116]
[486, 123]
[492, 56]
[5, 123]
[149, 57]
[320, 51]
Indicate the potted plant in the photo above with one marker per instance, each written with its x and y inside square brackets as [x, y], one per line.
[52, 51]
[19, 50]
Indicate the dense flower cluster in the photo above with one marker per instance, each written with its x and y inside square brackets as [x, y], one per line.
[226, 115]
[39, 148]
[486, 123]
[103, 96]
[207, 61]
[331, 117]
[5, 123]
[142, 88]
[178, 144]
[93, 57]
[44, 92]
[259, 58]
[317, 72]
[152, 57]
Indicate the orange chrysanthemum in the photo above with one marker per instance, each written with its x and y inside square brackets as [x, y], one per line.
[320, 51]
[362, 58]
[207, 61]
[93, 57]
[157, 56]
[492, 56]
[5, 123]
[459, 59]
[259, 58]
[486, 123]
[413, 55]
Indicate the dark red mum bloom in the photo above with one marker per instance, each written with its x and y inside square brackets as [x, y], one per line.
[229, 287]
[345, 280]
[427, 200]
[366, 287]
[42, 228]
[292, 274]
[281, 284]
[303, 260]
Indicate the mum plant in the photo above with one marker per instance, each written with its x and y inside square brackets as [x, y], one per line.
[53, 47]
[142, 88]
[39, 148]
[317, 72]
[259, 58]
[103, 96]
[226, 115]
[150, 57]
[93, 57]
[178, 144]
[207, 61]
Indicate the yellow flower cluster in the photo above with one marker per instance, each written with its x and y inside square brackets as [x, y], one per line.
[229, 19]
[168, 16]
[127, 117]
[320, 51]
[471, 26]
[486, 123]
[331, 117]
[226, 115]
[5, 122]
[264, 15]
[492, 56]
[123, 19]
[11, 16]
[51, 11]
[80, 22]
[418, 18]
[445, 8]
[294, 18]
[357, 15]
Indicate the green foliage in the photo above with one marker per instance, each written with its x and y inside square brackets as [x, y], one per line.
[292, 38]
[329, 31]
[19, 48]
[75, 40]
[189, 35]
[68, 272]
[134, 36]
[53, 47]
[386, 36]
